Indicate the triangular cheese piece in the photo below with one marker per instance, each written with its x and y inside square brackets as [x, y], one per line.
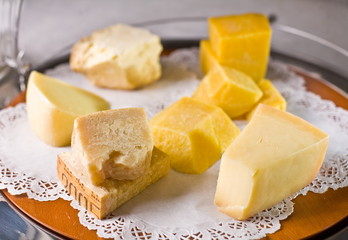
[275, 156]
[53, 105]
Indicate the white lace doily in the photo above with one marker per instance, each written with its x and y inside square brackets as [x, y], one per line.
[180, 206]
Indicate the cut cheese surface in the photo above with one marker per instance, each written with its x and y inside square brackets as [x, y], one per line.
[206, 56]
[271, 97]
[229, 89]
[193, 134]
[114, 144]
[275, 156]
[120, 56]
[242, 42]
[102, 200]
[52, 106]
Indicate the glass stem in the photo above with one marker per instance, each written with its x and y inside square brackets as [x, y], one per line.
[9, 28]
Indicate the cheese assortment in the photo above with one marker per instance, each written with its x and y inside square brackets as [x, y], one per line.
[53, 105]
[275, 156]
[104, 199]
[113, 156]
[237, 43]
[120, 57]
[114, 144]
[242, 42]
[229, 89]
[193, 134]
[271, 97]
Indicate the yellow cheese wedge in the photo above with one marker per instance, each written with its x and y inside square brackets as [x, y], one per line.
[206, 56]
[104, 199]
[271, 96]
[119, 56]
[275, 156]
[229, 89]
[193, 134]
[52, 106]
[242, 42]
[114, 144]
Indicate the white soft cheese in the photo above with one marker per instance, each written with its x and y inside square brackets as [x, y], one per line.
[114, 144]
[120, 56]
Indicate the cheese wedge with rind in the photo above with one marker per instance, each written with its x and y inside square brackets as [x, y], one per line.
[242, 42]
[53, 105]
[193, 134]
[276, 155]
[271, 97]
[229, 89]
[114, 144]
[104, 199]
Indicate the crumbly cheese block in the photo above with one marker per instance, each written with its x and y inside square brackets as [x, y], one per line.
[193, 134]
[53, 105]
[229, 89]
[242, 42]
[104, 199]
[114, 144]
[207, 57]
[275, 156]
[271, 96]
[120, 56]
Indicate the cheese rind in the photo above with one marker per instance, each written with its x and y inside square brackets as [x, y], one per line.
[120, 56]
[104, 199]
[271, 97]
[275, 156]
[242, 42]
[53, 105]
[114, 144]
[193, 134]
[229, 89]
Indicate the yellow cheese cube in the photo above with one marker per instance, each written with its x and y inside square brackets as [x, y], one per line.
[275, 156]
[270, 97]
[242, 42]
[52, 107]
[206, 56]
[233, 91]
[193, 134]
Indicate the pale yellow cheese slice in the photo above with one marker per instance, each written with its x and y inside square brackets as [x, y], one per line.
[102, 200]
[114, 144]
[275, 156]
[52, 106]
[193, 134]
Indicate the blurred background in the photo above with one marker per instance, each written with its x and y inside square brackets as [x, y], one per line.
[48, 29]
[48, 26]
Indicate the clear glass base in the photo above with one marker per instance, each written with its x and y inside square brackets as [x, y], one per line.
[4, 70]
[8, 85]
